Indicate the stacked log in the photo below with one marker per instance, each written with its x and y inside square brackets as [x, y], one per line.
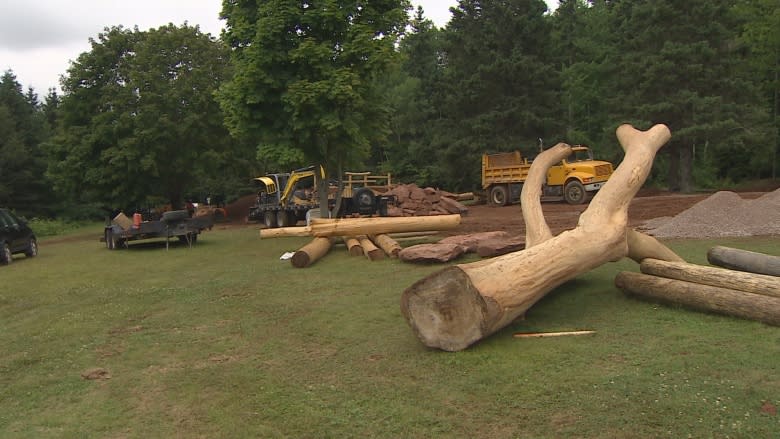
[745, 294]
[411, 200]
[362, 236]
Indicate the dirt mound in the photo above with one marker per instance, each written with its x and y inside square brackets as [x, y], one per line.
[723, 214]
[238, 211]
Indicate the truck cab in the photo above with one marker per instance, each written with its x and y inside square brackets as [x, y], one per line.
[504, 174]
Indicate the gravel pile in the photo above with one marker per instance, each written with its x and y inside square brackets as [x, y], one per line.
[723, 214]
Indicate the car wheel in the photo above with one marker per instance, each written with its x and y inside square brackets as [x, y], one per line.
[5, 256]
[32, 249]
[499, 195]
[574, 192]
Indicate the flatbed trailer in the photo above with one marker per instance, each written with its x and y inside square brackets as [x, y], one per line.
[176, 223]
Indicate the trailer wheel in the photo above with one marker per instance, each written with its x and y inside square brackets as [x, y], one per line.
[499, 195]
[574, 192]
[270, 219]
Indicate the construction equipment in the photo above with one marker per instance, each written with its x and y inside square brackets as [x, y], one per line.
[286, 198]
[578, 175]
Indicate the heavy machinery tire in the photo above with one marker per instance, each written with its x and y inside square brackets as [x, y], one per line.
[6, 257]
[574, 192]
[175, 215]
[32, 248]
[282, 218]
[269, 218]
[499, 195]
[363, 199]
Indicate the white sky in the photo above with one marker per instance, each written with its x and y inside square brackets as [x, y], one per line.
[39, 38]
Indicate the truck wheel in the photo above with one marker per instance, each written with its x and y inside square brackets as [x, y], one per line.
[282, 218]
[270, 219]
[574, 192]
[6, 257]
[499, 195]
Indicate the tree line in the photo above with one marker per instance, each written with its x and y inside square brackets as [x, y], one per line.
[171, 114]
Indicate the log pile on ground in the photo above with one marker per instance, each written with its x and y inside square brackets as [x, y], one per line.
[723, 214]
[411, 200]
[362, 236]
[744, 294]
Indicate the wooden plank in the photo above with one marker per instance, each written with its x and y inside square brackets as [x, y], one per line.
[550, 334]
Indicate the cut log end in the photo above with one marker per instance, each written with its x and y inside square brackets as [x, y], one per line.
[445, 310]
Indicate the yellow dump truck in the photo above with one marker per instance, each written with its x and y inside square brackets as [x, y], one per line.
[575, 177]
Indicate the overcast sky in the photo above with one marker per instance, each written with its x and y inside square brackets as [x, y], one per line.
[39, 38]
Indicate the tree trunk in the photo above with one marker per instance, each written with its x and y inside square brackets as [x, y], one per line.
[353, 246]
[673, 176]
[387, 244]
[702, 297]
[455, 307]
[372, 252]
[716, 277]
[366, 226]
[744, 260]
[686, 168]
[311, 252]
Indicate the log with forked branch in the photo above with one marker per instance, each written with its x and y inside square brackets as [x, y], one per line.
[460, 305]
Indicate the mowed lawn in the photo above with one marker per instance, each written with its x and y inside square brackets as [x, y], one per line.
[224, 340]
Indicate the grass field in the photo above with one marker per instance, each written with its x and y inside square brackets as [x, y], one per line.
[224, 340]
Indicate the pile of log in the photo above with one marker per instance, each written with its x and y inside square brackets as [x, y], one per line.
[752, 293]
[371, 237]
[411, 200]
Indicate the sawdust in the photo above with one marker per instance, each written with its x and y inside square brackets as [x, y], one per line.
[723, 214]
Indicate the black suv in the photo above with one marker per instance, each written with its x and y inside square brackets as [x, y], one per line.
[15, 237]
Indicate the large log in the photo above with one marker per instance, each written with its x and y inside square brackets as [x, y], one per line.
[372, 252]
[457, 306]
[389, 245]
[716, 277]
[353, 246]
[702, 297]
[744, 260]
[366, 226]
[311, 252]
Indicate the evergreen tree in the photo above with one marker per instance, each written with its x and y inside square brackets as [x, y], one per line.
[679, 66]
[502, 85]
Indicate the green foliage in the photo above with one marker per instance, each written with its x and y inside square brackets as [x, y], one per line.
[139, 118]
[225, 340]
[305, 76]
[23, 185]
[46, 227]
